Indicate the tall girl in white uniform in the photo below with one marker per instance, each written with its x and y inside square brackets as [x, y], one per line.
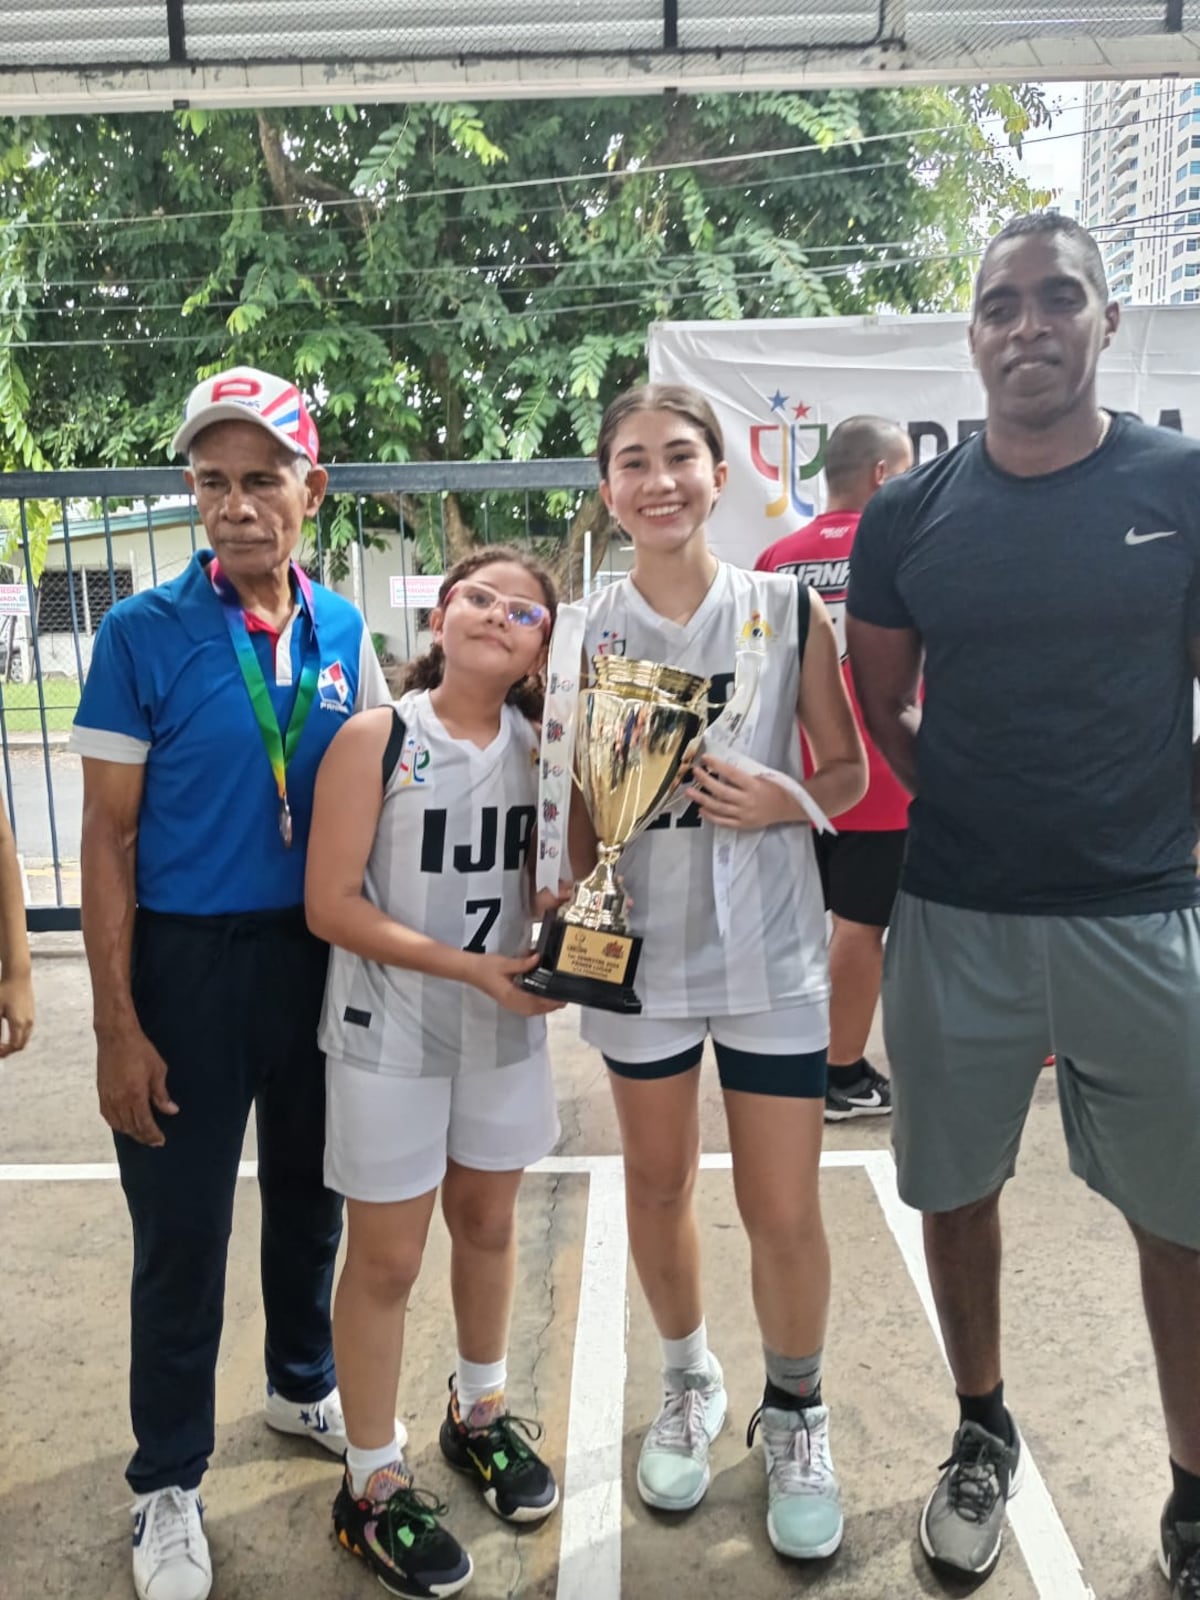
[418, 875]
[727, 896]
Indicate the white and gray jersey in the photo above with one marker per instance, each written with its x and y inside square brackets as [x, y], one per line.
[449, 860]
[774, 952]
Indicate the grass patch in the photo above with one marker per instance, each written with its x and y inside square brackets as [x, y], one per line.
[21, 713]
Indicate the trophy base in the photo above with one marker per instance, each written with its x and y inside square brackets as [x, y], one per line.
[586, 967]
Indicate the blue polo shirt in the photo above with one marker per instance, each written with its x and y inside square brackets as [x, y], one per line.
[165, 690]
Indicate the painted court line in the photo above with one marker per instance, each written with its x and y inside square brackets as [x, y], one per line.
[590, 1564]
[590, 1561]
[1049, 1554]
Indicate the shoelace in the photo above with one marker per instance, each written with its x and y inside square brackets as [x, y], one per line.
[798, 1464]
[172, 1525]
[679, 1426]
[974, 1483]
[415, 1509]
[506, 1434]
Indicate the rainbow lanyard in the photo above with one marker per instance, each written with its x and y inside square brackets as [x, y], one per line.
[280, 747]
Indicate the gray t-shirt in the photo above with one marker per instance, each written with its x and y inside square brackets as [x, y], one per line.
[1054, 757]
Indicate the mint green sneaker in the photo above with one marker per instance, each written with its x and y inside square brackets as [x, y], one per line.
[804, 1503]
[673, 1470]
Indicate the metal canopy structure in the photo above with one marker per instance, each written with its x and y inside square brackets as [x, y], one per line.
[81, 55]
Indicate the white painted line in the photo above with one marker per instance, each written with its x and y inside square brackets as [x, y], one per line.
[552, 1166]
[590, 1561]
[590, 1567]
[1054, 1566]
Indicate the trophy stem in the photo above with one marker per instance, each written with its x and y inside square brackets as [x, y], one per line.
[599, 899]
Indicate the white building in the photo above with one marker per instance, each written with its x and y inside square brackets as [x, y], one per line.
[1141, 174]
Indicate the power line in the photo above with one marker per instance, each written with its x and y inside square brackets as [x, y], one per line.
[605, 175]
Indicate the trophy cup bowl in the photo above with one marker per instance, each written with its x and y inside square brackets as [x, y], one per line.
[639, 725]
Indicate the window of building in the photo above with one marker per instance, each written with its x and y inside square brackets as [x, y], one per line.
[1191, 294]
[91, 590]
[1192, 270]
[1176, 274]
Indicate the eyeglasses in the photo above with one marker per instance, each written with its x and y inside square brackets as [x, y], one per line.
[483, 598]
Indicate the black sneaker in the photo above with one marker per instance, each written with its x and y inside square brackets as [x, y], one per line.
[871, 1096]
[515, 1483]
[395, 1529]
[1179, 1556]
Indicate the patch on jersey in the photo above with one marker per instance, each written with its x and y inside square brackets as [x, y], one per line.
[333, 691]
[611, 644]
[413, 763]
[756, 628]
[360, 1019]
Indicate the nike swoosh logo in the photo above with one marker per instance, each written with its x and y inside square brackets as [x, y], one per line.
[873, 1099]
[1144, 538]
[486, 1472]
[139, 1527]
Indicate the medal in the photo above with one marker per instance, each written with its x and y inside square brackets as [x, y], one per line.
[280, 746]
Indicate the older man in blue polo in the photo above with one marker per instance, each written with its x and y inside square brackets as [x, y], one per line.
[208, 706]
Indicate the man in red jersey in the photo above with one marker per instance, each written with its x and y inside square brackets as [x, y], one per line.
[860, 865]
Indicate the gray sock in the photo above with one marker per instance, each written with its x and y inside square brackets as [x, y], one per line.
[798, 1377]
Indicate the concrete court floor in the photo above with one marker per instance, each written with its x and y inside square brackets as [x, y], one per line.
[1079, 1373]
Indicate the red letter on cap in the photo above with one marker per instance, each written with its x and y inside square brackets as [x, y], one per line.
[236, 389]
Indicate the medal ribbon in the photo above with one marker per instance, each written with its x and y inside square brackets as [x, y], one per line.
[280, 746]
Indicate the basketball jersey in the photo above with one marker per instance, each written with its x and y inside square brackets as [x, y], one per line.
[819, 553]
[450, 859]
[774, 954]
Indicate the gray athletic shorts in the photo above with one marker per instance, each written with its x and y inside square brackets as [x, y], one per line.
[974, 1001]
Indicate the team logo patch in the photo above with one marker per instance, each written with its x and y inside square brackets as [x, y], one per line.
[333, 691]
[757, 628]
[413, 764]
[611, 644]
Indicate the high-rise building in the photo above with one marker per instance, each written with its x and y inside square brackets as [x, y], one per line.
[1141, 173]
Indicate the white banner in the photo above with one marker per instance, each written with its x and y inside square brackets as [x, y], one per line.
[779, 387]
[416, 592]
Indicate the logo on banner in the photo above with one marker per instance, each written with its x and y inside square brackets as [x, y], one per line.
[789, 451]
[333, 691]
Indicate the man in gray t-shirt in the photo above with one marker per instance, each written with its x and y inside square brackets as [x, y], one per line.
[1047, 574]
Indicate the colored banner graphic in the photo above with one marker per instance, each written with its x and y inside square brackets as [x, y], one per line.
[780, 387]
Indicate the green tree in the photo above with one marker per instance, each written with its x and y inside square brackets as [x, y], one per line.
[435, 300]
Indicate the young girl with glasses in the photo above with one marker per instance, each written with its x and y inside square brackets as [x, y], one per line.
[438, 1075]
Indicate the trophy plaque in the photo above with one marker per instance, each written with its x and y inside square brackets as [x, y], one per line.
[639, 725]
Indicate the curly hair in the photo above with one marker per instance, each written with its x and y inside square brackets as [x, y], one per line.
[527, 694]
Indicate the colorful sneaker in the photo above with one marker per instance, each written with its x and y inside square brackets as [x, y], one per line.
[493, 1448]
[871, 1096]
[1179, 1555]
[170, 1551]
[962, 1525]
[394, 1528]
[672, 1472]
[804, 1503]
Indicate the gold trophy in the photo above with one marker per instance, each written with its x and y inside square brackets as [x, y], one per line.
[639, 726]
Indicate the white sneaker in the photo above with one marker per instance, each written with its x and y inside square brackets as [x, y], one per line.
[672, 1472]
[321, 1420]
[170, 1552]
[804, 1503]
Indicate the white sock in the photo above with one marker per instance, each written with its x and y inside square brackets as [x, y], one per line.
[689, 1354]
[362, 1463]
[476, 1380]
